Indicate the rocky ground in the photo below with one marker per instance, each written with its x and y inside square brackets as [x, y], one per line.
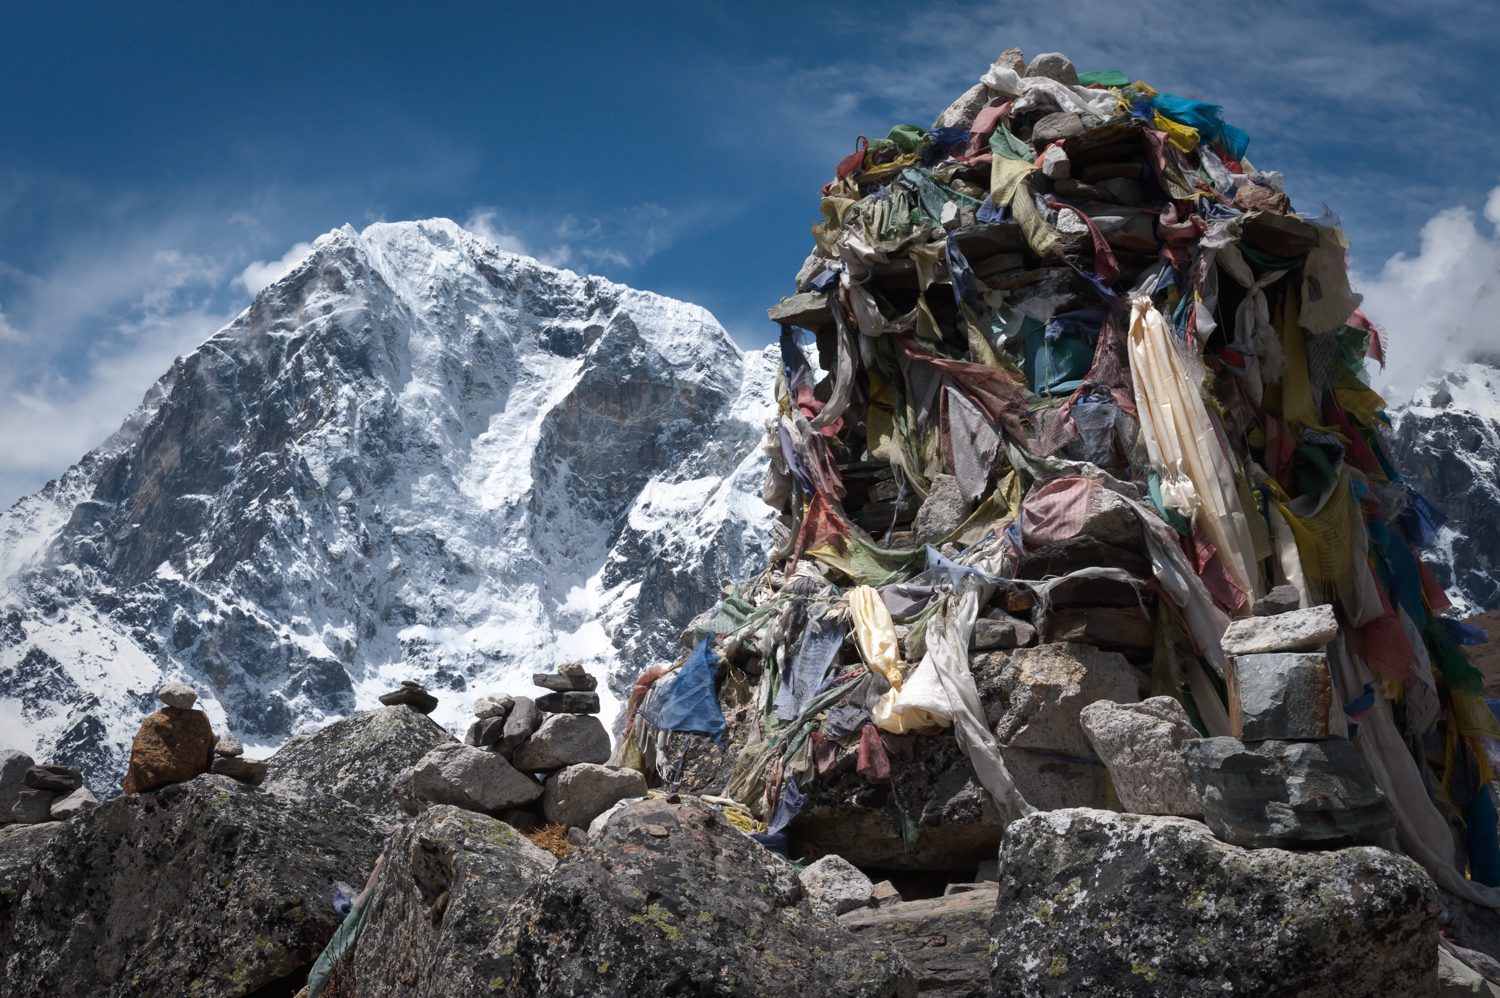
[218, 886]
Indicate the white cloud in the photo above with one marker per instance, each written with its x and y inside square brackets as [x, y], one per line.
[8, 332]
[261, 274]
[485, 222]
[1441, 305]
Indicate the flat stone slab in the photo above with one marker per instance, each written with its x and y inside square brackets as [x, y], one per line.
[1139, 745]
[1298, 630]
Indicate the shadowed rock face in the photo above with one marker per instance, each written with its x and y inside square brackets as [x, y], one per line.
[1094, 902]
[208, 887]
[416, 453]
[1447, 444]
[356, 759]
[671, 899]
[435, 913]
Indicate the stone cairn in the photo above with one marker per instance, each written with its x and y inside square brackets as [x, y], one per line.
[528, 761]
[177, 743]
[31, 794]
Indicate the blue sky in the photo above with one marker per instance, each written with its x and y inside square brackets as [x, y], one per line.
[159, 159]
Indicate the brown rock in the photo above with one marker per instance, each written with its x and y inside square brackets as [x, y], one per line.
[172, 746]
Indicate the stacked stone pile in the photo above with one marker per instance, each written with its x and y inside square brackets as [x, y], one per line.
[526, 760]
[178, 743]
[31, 794]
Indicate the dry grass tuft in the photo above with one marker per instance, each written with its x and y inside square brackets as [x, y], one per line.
[553, 838]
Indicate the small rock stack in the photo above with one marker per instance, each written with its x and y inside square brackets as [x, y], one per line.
[229, 760]
[412, 694]
[1284, 779]
[177, 743]
[31, 794]
[528, 760]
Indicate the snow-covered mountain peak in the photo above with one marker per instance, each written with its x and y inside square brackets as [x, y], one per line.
[414, 456]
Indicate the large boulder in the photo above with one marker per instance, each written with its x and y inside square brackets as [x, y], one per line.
[1032, 698]
[672, 899]
[1094, 902]
[19, 847]
[1287, 793]
[356, 759]
[449, 877]
[562, 740]
[1139, 745]
[172, 745]
[205, 887]
[577, 795]
[465, 777]
[946, 940]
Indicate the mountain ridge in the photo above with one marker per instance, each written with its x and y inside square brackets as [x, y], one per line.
[415, 456]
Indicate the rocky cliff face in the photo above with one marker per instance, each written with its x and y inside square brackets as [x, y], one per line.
[1447, 442]
[416, 456]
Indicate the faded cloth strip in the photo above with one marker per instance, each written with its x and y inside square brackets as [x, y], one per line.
[1196, 477]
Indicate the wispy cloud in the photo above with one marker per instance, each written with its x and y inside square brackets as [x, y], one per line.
[259, 274]
[624, 239]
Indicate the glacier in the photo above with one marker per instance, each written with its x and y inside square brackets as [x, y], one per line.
[416, 456]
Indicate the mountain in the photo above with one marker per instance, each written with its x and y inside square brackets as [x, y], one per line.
[1447, 443]
[415, 456]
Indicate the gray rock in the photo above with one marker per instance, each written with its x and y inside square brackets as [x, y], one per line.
[988, 871]
[493, 706]
[19, 847]
[673, 899]
[229, 746]
[809, 310]
[1054, 66]
[576, 795]
[485, 732]
[884, 894]
[58, 779]
[1055, 163]
[1457, 979]
[1298, 630]
[943, 511]
[835, 886]
[100, 901]
[1032, 700]
[963, 110]
[356, 759]
[564, 740]
[568, 703]
[1094, 902]
[1001, 633]
[411, 694]
[522, 720]
[251, 771]
[596, 827]
[1282, 599]
[1014, 60]
[572, 669]
[447, 878]
[13, 768]
[561, 683]
[465, 777]
[32, 806]
[77, 802]
[1058, 125]
[1139, 745]
[1285, 695]
[179, 695]
[1286, 793]
[945, 939]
